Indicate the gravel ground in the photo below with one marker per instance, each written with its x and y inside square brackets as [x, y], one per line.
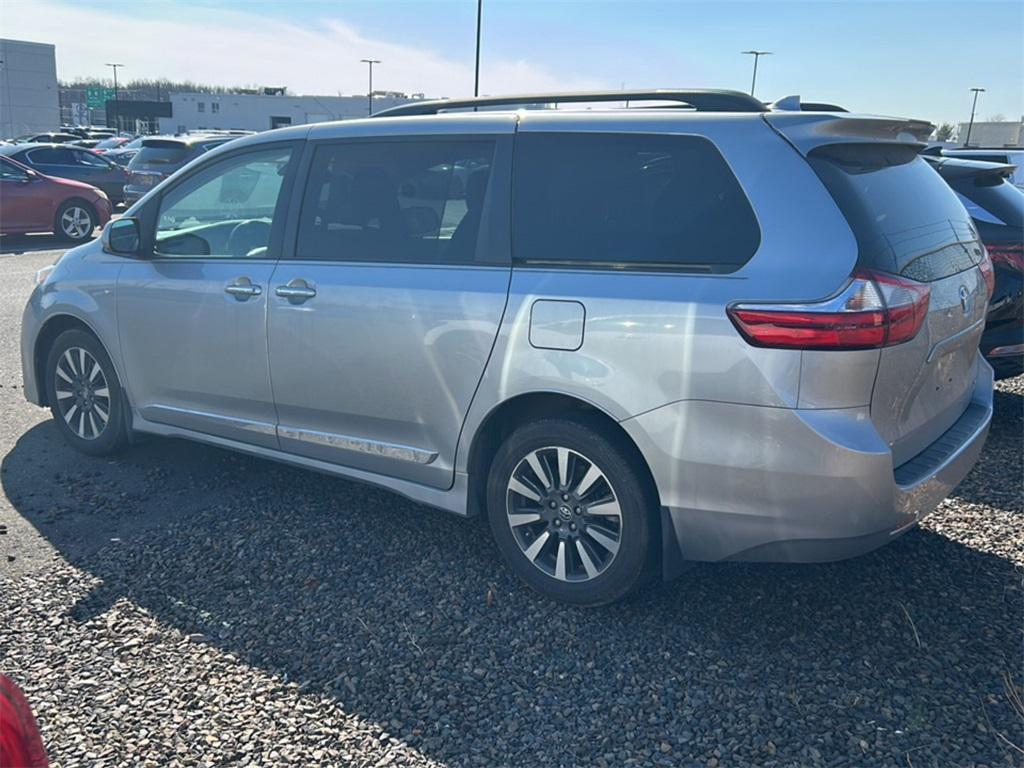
[188, 606]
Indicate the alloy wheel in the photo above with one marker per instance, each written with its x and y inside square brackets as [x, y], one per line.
[76, 222]
[564, 514]
[83, 395]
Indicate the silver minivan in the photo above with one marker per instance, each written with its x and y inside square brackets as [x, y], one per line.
[696, 330]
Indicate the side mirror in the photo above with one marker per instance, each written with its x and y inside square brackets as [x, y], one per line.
[122, 237]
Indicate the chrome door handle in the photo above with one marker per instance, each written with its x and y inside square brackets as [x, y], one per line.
[242, 289]
[296, 291]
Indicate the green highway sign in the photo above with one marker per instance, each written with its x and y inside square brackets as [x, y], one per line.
[97, 98]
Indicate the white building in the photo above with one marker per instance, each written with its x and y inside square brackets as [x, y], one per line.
[257, 112]
[994, 134]
[29, 100]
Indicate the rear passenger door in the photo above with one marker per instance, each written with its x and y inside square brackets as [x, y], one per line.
[382, 321]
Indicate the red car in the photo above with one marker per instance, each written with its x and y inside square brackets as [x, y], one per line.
[20, 743]
[33, 202]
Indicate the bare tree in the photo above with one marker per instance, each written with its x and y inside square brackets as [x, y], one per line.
[999, 117]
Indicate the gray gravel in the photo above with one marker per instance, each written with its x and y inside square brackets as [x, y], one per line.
[187, 606]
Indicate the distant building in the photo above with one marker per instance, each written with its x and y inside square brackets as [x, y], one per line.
[28, 88]
[261, 112]
[1001, 134]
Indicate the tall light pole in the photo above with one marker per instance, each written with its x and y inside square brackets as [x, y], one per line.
[369, 93]
[117, 97]
[476, 75]
[757, 55]
[974, 107]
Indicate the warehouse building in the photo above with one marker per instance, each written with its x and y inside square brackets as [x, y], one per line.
[1002, 133]
[262, 111]
[29, 100]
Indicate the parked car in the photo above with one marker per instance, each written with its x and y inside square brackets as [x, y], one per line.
[51, 137]
[21, 744]
[997, 208]
[112, 142]
[1003, 156]
[159, 157]
[69, 162]
[33, 202]
[123, 155]
[641, 336]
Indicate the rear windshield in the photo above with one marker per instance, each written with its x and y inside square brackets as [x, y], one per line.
[906, 219]
[999, 198]
[161, 153]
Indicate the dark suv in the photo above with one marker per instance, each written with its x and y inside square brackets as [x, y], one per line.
[997, 208]
[161, 156]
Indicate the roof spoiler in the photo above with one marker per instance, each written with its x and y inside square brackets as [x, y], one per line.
[699, 100]
[961, 168]
[807, 131]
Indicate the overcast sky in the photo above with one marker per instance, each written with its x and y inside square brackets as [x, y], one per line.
[910, 58]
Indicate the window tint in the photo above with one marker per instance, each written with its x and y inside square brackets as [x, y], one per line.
[906, 219]
[629, 200]
[51, 156]
[999, 198]
[225, 210]
[155, 152]
[88, 158]
[409, 201]
[9, 170]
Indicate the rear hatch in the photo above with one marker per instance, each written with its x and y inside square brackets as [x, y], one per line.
[907, 222]
[156, 160]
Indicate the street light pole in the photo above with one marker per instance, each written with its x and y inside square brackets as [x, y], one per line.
[117, 97]
[476, 76]
[757, 55]
[974, 107]
[369, 93]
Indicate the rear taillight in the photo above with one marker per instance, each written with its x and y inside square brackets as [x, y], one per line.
[1007, 254]
[988, 272]
[874, 310]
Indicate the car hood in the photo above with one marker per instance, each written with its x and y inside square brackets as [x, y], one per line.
[61, 181]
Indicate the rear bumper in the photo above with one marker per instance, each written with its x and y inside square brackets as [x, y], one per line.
[789, 485]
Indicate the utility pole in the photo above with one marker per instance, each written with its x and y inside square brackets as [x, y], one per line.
[117, 98]
[369, 93]
[974, 107]
[476, 76]
[757, 55]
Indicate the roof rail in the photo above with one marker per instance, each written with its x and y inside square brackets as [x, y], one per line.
[700, 100]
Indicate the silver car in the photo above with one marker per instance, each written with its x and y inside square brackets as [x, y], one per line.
[630, 337]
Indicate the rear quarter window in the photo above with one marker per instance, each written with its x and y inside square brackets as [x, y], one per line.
[629, 201]
[906, 219]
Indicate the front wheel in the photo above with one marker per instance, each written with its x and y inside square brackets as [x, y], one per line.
[85, 394]
[75, 221]
[571, 512]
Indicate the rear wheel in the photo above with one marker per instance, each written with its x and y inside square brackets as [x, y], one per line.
[75, 221]
[85, 394]
[571, 512]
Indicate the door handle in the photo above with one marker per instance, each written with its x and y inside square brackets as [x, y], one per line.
[242, 289]
[296, 291]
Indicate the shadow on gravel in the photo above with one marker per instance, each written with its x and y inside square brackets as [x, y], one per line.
[898, 657]
[14, 244]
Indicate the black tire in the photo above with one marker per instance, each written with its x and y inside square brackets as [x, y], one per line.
[85, 429]
[592, 442]
[78, 234]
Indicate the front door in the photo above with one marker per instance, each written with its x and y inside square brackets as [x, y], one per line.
[192, 317]
[26, 203]
[381, 325]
